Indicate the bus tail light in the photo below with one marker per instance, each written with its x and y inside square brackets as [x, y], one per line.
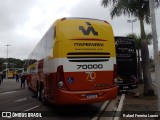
[115, 74]
[60, 78]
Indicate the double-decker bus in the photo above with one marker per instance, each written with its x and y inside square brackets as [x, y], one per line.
[75, 63]
[126, 63]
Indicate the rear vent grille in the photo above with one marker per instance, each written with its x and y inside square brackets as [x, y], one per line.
[88, 56]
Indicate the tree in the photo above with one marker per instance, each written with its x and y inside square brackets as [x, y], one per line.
[12, 63]
[140, 10]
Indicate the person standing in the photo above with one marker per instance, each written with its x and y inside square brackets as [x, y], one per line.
[0, 78]
[17, 77]
[23, 78]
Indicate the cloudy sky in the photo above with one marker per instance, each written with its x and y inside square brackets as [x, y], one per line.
[24, 22]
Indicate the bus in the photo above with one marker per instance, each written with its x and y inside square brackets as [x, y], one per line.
[11, 72]
[75, 63]
[126, 63]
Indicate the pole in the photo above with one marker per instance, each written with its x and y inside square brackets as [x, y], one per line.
[7, 61]
[132, 21]
[155, 49]
[132, 27]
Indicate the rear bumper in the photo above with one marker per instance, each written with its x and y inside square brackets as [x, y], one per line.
[127, 86]
[85, 97]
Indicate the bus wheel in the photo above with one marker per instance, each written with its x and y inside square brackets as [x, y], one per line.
[39, 93]
[43, 99]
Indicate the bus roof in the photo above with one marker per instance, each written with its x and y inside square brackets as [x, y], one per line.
[82, 18]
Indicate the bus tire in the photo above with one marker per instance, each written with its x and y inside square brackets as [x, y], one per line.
[40, 94]
[43, 99]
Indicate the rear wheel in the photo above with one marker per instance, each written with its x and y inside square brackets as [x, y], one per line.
[41, 94]
[43, 99]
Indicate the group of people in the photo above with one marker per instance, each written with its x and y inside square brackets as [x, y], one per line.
[21, 77]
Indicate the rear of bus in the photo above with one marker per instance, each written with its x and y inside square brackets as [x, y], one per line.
[126, 63]
[88, 70]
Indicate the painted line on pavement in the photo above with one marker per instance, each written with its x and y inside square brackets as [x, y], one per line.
[96, 117]
[31, 108]
[23, 99]
[9, 92]
[119, 107]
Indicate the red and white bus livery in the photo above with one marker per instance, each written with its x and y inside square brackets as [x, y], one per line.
[74, 63]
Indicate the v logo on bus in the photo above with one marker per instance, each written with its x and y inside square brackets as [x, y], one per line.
[88, 30]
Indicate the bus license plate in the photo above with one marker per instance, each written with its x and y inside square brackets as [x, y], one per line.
[125, 87]
[91, 96]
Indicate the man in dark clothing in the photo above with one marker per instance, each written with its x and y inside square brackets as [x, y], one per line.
[23, 78]
[2, 76]
[1, 79]
[17, 77]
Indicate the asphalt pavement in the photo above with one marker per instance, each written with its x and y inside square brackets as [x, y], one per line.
[136, 106]
[9, 85]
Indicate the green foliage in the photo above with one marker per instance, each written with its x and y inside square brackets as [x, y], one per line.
[132, 8]
[140, 10]
[12, 63]
[137, 39]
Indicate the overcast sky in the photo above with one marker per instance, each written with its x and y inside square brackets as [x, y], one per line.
[24, 22]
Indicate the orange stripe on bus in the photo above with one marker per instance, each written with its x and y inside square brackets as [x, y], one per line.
[91, 39]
